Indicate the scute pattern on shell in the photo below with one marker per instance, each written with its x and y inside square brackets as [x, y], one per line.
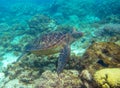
[46, 41]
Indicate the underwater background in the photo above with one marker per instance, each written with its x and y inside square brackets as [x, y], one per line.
[94, 58]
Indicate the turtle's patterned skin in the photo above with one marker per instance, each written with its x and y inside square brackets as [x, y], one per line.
[52, 43]
[48, 44]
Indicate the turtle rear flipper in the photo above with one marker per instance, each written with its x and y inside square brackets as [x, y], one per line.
[24, 54]
[63, 58]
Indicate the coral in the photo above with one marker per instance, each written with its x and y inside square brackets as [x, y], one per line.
[48, 79]
[32, 69]
[108, 78]
[109, 29]
[100, 55]
[87, 79]
[32, 66]
[67, 79]
[41, 23]
[112, 19]
[86, 75]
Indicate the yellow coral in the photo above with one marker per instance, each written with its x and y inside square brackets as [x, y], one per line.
[108, 78]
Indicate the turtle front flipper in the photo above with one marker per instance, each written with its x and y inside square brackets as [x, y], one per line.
[63, 58]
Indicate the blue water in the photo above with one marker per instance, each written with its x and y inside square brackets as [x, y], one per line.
[23, 20]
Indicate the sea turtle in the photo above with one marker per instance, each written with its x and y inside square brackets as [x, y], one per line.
[52, 43]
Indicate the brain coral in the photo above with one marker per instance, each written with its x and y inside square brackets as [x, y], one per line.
[108, 78]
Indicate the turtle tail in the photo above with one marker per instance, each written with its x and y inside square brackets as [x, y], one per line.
[24, 54]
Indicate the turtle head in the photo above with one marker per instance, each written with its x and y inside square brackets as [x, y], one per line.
[76, 35]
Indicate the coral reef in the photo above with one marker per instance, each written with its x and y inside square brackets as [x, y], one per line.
[67, 79]
[27, 72]
[109, 30]
[101, 55]
[40, 23]
[112, 19]
[108, 78]
[87, 79]
[20, 23]
[48, 79]
[33, 71]
[39, 64]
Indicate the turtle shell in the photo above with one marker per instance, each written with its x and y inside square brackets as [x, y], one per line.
[47, 44]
